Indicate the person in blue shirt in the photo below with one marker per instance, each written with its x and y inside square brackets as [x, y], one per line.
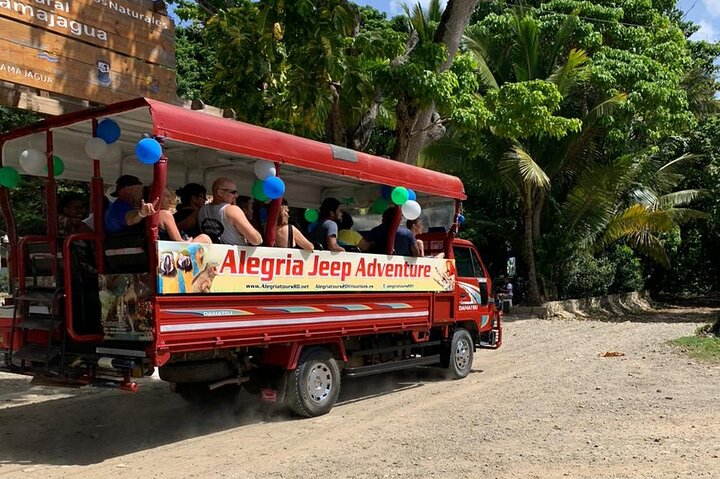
[376, 240]
[129, 209]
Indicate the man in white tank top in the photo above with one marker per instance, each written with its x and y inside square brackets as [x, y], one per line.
[223, 221]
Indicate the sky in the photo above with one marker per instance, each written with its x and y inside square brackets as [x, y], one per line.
[705, 13]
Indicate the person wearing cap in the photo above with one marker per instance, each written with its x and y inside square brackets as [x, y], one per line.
[129, 209]
[224, 221]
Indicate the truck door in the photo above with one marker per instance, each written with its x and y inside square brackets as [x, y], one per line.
[472, 287]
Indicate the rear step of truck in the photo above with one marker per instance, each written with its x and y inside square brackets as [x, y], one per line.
[391, 366]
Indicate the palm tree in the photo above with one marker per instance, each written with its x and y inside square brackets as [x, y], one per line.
[529, 164]
[632, 200]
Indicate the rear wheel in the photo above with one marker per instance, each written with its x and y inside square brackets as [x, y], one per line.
[314, 386]
[460, 354]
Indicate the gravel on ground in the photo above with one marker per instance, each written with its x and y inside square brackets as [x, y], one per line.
[549, 404]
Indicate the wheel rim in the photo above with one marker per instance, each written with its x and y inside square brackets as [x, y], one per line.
[462, 354]
[319, 383]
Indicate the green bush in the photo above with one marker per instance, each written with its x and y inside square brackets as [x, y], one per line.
[4, 283]
[585, 275]
[629, 275]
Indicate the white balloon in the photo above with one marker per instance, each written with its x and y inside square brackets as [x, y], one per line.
[33, 161]
[411, 210]
[96, 148]
[114, 153]
[264, 169]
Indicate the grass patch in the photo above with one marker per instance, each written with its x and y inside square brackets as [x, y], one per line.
[702, 348]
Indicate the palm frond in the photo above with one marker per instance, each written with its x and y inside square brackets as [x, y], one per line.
[683, 215]
[526, 49]
[605, 108]
[518, 163]
[446, 154]
[648, 244]
[679, 198]
[680, 159]
[567, 74]
[561, 38]
[628, 222]
[645, 197]
[476, 46]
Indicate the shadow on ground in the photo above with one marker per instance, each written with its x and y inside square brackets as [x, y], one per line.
[665, 313]
[92, 427]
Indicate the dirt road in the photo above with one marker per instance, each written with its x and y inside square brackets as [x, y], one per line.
[546, 405]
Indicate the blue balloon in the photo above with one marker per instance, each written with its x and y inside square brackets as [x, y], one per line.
[386, 192]
[273, 187]
[108, 130]
[312, 226]
[148, 151]
[461, 219]
[263, 214]
[412, 196]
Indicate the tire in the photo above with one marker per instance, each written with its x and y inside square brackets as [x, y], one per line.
[314, 386]
[460, 354]
[199, 394]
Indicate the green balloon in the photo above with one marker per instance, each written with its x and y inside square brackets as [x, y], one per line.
[379, 206]
[311, 215]
[58, 166]
[400, 195]
[257, 191]
[9, 177]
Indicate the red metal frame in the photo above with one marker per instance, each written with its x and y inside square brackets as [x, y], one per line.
[69, 324]
[415, 315]
[198, 128]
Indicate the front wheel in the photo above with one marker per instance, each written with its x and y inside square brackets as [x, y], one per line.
[314, 386]
[460, 354]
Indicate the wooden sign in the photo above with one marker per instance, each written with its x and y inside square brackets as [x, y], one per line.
[44, 60]
[116, 25]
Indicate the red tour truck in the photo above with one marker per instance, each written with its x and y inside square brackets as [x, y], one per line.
[97, 308]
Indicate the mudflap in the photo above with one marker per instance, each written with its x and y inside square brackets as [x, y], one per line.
[492, 339]
[270, 384]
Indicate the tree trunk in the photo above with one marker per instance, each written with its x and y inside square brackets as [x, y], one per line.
[360, 138]
[537, 212]
[533, 293]
[413, 124]
[334, 131]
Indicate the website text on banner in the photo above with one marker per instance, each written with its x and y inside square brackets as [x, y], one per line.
[196, 268]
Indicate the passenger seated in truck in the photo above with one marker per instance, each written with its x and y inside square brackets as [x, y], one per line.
[288, 236]
[347, 236]
[168, 229]
[376, 240]
[193, 196]
[246, 204]
[129, 209]
[326, 232]
[416, 227]
[71, 211]
[225, 222]
[90, 220]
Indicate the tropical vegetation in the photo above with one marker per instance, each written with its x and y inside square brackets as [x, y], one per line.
[587, 132]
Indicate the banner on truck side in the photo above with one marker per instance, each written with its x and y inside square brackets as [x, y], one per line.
[193, 268]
